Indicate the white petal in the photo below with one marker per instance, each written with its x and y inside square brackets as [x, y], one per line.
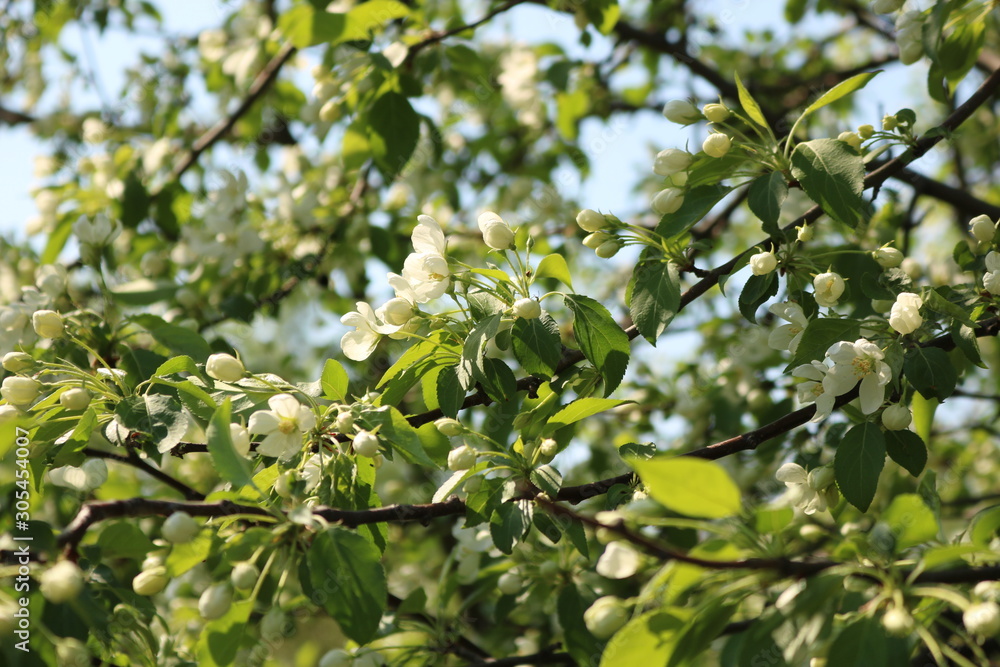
[284, 406]
[263, 421]
[305, 418]
[618, 561]
[872, 394]
[791, 473]
[273, 445]
[358, 345]
[427, 236]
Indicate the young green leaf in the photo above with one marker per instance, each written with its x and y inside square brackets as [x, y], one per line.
[842, 89]
[757, 290]
[601, 340]
[859, 461]
[690, 486]
[231, 466]
[536, 345]
[334, 381]
[832, 174]
[749, 104]
[656, 298]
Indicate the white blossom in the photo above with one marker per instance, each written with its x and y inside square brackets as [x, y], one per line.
[497, 234]
[982, 619]
[283, 426]
[360, 343]
[788, 336]
[812, 390]
[807, 490]
[860, 361]
[905, 314]
[98, 232]
[86, 478]
[763, 263]
[426, 269]
[991, 279]
[828, 289]
[62, 582]
[605, 616]
[619, 561]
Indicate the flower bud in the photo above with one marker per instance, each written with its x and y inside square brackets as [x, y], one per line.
[180, 528]
[272, 626]
[449, 427]
[805, 233]
[151, 581]
[283, 485]
[671, 161]
[510, 583]
[62, 582]
[51, 279]
[668, 200]
[15, 362]
[597, 239]
[330, 112]
[896, 417]
[397, 311]
[19, 390]
[682, 112]
[912, 268]
[590, 220]
[905, 314]
[241, 439]
[496, 233]
[605, 616]
[609, 248]
[48, 323]
[461, 458]
[224, 367]
[763, 263]
[982, 228]
[75, 399]
[888, 257]
[851, 139]
[897, 622]
[528, 309]
[548, 447]
[866, 131]
[72, 652]
[8, 413]
[889, 123]
[215, 601]
[365, 444]
[982, 619]
[344, 422]
[716, 113]
[828, 288]
[717, 145]
[244, 575]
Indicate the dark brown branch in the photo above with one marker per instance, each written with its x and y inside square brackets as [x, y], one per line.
[136, 462]
[960, 198]
[547, 657]
[259, 86]
[11, 117]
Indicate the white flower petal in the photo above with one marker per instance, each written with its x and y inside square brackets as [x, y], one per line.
[263, 421]
[791, 473]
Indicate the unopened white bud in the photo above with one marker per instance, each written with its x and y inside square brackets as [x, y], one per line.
[763, 263]
[74, 399]
[716, 113]
[668, 200]
[180, 528]
[449, 427]
[896, 417]
[215, 601]
[150, 581]
[682, 112]
[590, 220]
[888, 257]
[982, 228]
[717, 145]
[244, 575]
[48, 323]
[365, 444]
[224, 367]
[528, 309]
[461, 458]
[18, 390]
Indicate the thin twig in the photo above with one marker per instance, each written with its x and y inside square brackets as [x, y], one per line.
[136, 462]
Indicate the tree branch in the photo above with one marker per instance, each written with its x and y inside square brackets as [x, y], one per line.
[136, 462]
[259, 86]
[961, 199]
[12, 118]
[548, 657]
[441, 35]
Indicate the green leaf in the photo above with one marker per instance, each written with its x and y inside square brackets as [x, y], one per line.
[655, 299]
[580, 644]
[842, 89]
[183, 557]
[649, 639]
[766, 195]
[570, 108]
[861, 643]
[142, 292]
[509, 524]
[393, 131]
[930, 372]
[819, 336]
[772, 519]
[859, 461]
[536, 345]
[348, 581]
[397, 432]
[334, 381]
[749, 104]
[547, 478]
[363, 19]
[911, 520]
[832, 174]
[123, 539]
[698, 201]
[554, 266]
[181, 364]
[156, 415]
[690, 486]
[230, 465]
[907, 449]
[966, 342]
[498, 380]
[471, 368]
[306, 26]
[134, 203]
[603, 14]
[355, 148]
[757, 290]
[220, 639]
[985, 526]
[601, 340]
[450, 393]
[579, 409]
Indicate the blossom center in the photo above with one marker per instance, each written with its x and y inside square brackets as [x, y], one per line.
[287, 426]
[862, 366]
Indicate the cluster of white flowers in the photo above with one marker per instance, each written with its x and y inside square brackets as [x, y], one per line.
[241, 47]
[32, 316]
[226, 235]
[283, 426]
[425, 276]
[848, 365]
